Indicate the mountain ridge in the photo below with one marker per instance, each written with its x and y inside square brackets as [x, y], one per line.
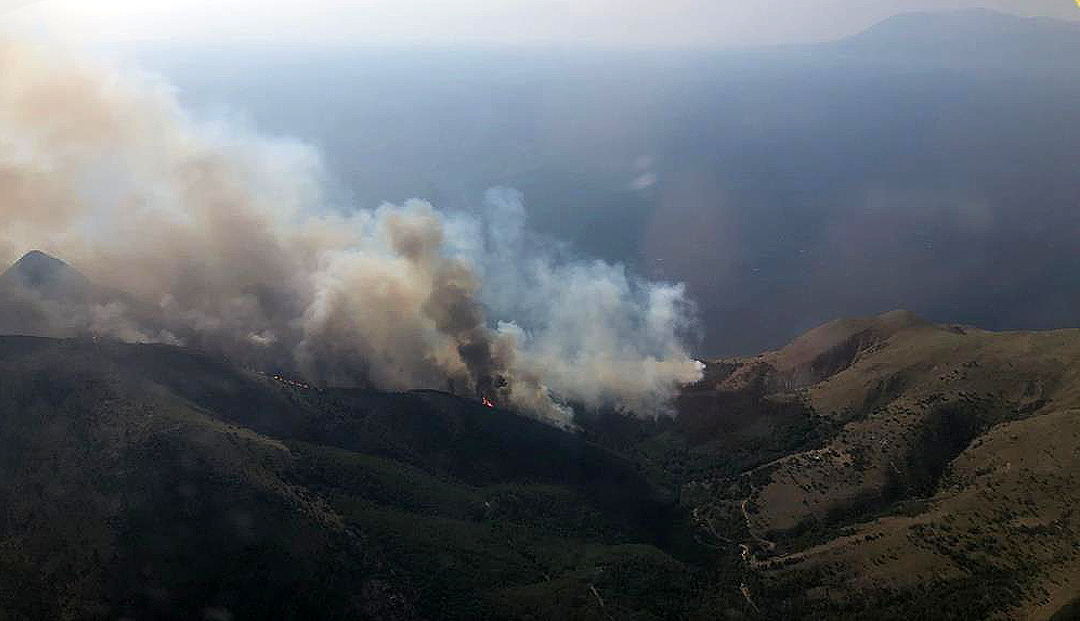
[880, 467]
[966, 38]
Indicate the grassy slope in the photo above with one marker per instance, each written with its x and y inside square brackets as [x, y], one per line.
[944, 488]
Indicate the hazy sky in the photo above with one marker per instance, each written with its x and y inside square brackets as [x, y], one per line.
[607, 23]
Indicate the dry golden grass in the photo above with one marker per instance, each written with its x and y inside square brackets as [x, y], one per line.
[955, 458]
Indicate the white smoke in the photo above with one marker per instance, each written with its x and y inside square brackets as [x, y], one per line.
[221, 239]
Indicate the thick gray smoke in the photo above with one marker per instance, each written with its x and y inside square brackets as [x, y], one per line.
[220, 238]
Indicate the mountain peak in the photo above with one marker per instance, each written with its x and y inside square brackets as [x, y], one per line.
[37, 257]
[41, 271]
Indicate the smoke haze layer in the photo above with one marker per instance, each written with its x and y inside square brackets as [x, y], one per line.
[215, 237]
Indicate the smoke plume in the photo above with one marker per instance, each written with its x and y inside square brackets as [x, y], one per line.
[215, 237]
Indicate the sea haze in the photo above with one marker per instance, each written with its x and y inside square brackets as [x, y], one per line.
[928, 163]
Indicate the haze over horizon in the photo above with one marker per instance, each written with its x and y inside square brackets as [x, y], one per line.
[899, 167]
[640, 24]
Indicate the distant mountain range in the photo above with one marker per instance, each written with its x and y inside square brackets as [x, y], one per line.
[966, 38]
